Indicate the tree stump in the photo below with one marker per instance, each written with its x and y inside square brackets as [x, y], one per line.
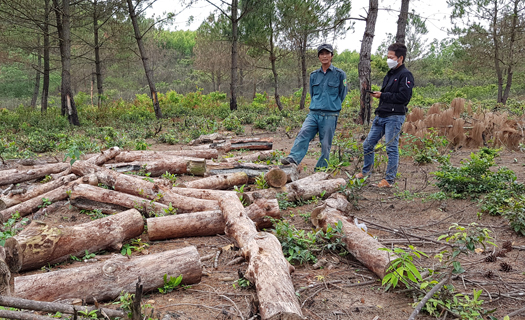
[276, 178]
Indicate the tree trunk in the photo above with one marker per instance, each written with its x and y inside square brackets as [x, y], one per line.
[275, 75]
[495, 39]
[235, 54]
[37, 77]
[51, 307]
[106, 280]
[130, 156]
[219, 182]
[158, 167]
[402, 22]
[64, 33]
[209, 223]
[238, 144]
[14, 199]
[255, 170]
[5, 275]
[56, 176]
[88, 192]
[145, 61]
[98, 63]
[142, 188]
[40, 244]
[267, 269]
[361, 245]
[302, 54]
[364, 67]
[47, 68]
[21, 175]
[510, 71]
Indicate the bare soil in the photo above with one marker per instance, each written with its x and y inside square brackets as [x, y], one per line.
[344, 289]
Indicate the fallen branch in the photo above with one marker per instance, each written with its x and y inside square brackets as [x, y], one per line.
[429, 295]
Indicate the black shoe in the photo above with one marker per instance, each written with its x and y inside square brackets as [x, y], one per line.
[288, 160]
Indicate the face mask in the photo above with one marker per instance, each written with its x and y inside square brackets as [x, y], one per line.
[391, 63]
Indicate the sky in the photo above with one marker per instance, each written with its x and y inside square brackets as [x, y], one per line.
[435, 11]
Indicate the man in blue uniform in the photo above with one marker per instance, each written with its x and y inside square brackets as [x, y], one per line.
[394, 97]
[327, 91]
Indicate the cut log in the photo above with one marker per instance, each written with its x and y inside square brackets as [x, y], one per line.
[208, 138]
[32, 205]
[106, 280]
[40, 244]
[359, 243]
[302, 189]
[105, 156]
[208, 223]
[257, 156]
[267, 268]
[131, 156]
[219, 181]
[106, 208]
[255, 170]
[11, 200]
[148, 156]
[56, 176]
[5, 274]
[37, 172]
[174, 165]
[144, 189]
[51, 307]
[147, 207]
[238, 144]
[276, 178]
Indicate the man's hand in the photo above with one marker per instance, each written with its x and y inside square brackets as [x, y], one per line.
[376, 94]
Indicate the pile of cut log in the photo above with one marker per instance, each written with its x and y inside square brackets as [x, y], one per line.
[204, 207]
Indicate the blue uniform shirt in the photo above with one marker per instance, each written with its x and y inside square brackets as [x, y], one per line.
[327, 90]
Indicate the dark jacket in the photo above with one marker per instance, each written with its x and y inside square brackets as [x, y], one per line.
[396, 92]
[327, 90]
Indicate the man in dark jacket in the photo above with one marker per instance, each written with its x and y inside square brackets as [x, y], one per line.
[394, 97]
[327, 91]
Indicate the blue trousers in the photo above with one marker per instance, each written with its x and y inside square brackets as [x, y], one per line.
[325, 124]
[389, 127]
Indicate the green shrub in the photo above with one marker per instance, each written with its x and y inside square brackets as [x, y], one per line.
[232, 123]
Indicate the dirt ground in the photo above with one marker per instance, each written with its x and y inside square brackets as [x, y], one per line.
[347, 292]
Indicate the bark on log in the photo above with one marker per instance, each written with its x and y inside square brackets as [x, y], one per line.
[208, 223]
[40, 244]
[257, 156]
[156, 168]
[254, 170]
[31, 205]
[105, 156]
[130, 156]
[267, 268]
[219, 181]
[56, 176]
[302, 189]
[14, 199]
[20, 175]
[22, 315]
[237, 144]
[359, 243]
[106, 208]
[276, 178]
[5, 274]
[106, 280]
[51, 307]
[88, 192]
[144, 189]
